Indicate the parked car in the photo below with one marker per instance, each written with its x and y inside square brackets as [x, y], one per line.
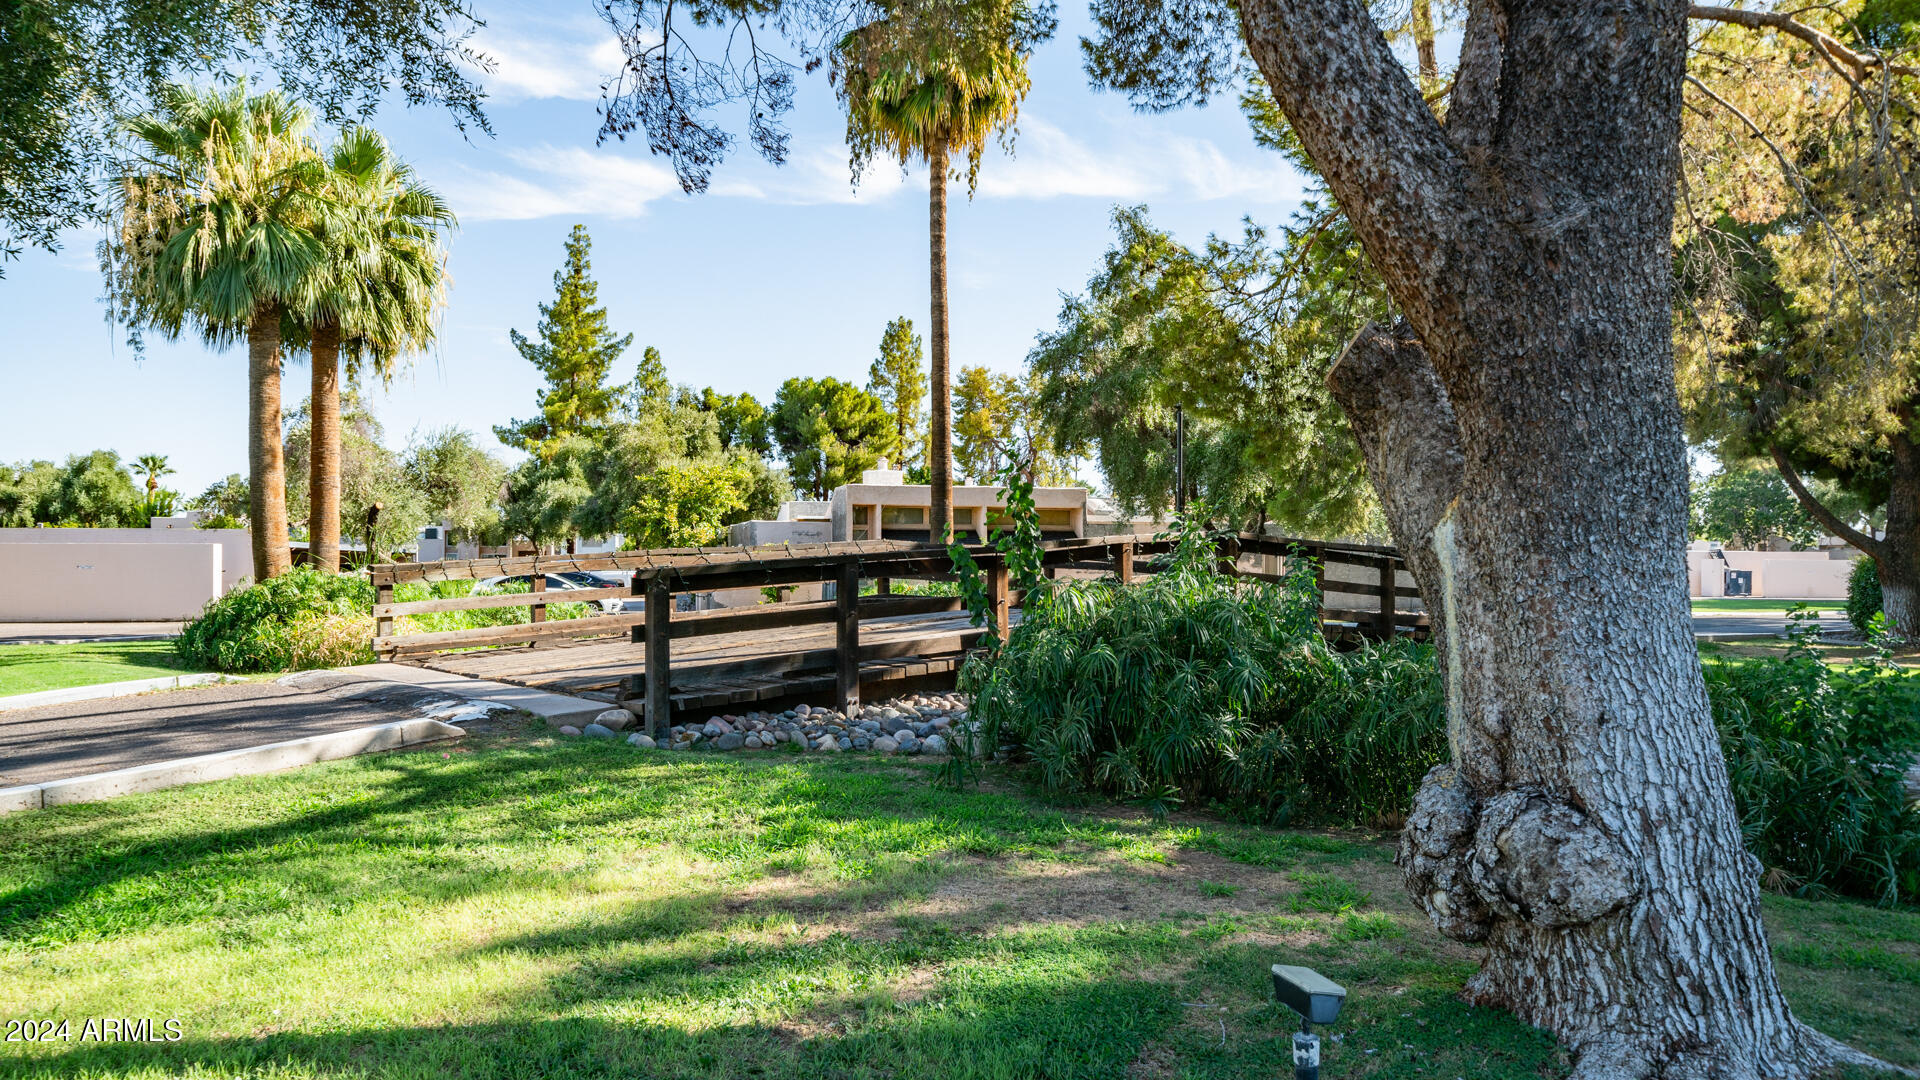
[565, 581]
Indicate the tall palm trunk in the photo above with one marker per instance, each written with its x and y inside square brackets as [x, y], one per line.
[323, 456]
[266, 465]
[940, 440]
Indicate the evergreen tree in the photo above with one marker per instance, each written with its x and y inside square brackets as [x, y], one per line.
[743, 421]
[575, 352]
[899, 378]
[649, 388]
[830, 432]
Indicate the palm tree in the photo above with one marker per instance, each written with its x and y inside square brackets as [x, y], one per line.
[931, 79]
[376, 296]
[217, 208]
[152, 467]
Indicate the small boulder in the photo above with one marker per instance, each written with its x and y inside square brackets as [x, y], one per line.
[615, 719]
[598, 731]
[569, 729]
[934, 745]
[732, 740]
[886, 744]
[721, 723]
[644, 742]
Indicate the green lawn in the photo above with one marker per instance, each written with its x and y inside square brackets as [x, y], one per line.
[523, 906]
[27, 668]
[1716, 605]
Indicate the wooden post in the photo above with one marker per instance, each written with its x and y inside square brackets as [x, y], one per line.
[1388, 582]
[883, 586]
[659, 659]
[846, 637]
[999, 590]
[383, 594]
[1123, 563]
[539, 584]
[639, 633]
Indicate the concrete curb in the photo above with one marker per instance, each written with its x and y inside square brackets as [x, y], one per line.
[109, 690]
[247, 761]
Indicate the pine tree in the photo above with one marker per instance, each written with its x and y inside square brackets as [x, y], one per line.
[649, 388]
[575, 352]
[899, 378]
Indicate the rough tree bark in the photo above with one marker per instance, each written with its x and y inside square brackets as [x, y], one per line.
[1896, 556]
[1524, 436]
[266, 465]
[940, 429]
[323, 451]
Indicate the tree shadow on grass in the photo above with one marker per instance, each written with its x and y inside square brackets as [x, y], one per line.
[1054, 1030]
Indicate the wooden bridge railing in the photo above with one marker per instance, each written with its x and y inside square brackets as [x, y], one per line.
[660, 575]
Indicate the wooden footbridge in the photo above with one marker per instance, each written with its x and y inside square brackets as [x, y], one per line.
[661, 660]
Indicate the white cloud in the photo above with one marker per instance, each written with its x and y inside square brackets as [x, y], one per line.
[547, 59]
[548, 181]
[819, 176]
[1050, 163]
[562, 181]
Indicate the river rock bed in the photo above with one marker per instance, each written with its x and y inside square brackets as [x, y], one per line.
[917, 724]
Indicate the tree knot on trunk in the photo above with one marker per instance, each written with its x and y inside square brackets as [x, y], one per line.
[1433, 855]
[1522, 854]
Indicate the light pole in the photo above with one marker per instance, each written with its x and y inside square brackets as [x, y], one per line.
[1179, 460]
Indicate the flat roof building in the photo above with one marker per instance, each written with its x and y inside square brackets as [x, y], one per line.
[883, 506]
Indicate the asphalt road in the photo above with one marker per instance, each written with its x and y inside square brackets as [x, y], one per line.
[1756, 622]
[54, 742]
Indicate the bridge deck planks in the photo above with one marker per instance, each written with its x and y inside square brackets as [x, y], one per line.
[727, 659]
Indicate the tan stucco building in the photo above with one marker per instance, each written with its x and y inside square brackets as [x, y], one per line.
[883, 506]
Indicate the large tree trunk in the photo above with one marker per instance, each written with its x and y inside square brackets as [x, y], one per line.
[1525, 439]
[940, 432]
[323, 454]
[1898, 561]
[266, 467]
[1896, 555]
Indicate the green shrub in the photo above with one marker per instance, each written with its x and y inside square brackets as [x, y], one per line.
[1816, 756]
[309, 619]
[300, 619]
[1863, 593]
[1194, 686]
[434, 621]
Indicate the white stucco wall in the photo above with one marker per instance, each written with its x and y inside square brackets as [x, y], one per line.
[759, 532]
[236, 545]
[107, 582]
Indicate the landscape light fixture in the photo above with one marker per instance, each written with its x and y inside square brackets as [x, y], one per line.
[1317, 1000]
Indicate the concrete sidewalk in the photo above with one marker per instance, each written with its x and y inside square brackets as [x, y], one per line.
[73, 633]
[57, 742]
[555, 709]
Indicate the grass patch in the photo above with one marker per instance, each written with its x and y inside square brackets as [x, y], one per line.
[27, 669]
[520, 905]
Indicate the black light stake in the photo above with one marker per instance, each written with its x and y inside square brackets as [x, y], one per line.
[1179, 460]
[1316, 999]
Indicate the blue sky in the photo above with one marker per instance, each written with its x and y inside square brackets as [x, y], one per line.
[774, 273]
